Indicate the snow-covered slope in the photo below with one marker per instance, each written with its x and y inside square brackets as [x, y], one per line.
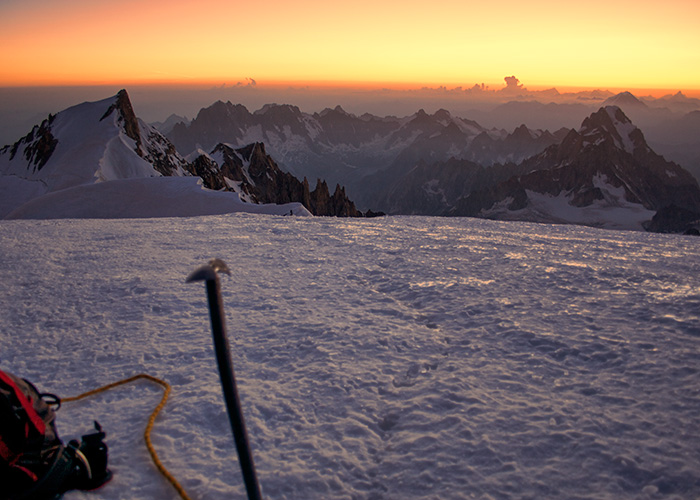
[399, 358]
[143, 198]
[58, 168]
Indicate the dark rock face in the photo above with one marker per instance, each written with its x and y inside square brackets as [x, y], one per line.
[37, 146]
[126, 117]
[269, 183]
[252, 173]
[161, 153]
[338, 204]
[673, 219]
[209, 172]
[40, 148]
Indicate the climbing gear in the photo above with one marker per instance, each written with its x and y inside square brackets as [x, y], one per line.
[208, 274]
[151, 420]
[34, 463]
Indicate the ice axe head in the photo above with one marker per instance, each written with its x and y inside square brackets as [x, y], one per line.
[208, 272]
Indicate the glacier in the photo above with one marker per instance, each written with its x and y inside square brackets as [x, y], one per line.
[387, 358]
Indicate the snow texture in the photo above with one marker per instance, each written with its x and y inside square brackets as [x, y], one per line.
[390, 358]
[144, 198]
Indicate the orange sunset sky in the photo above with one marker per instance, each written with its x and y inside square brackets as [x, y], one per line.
[606, 44]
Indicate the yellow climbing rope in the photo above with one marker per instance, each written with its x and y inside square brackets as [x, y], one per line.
[151, 420]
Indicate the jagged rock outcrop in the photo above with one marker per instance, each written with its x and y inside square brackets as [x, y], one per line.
[125, 117]
[207, 169]
[37, 146]
[321, 202]
[255, 176]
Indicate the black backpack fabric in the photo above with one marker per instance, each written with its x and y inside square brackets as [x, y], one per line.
[34, 463]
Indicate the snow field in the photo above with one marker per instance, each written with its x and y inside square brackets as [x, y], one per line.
[391, 358]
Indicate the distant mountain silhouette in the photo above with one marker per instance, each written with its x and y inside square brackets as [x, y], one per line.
[625, 100]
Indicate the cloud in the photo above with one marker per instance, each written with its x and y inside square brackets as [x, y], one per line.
[249, 82]
[513, 83]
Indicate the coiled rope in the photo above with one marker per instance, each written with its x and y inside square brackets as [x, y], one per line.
[151, 421]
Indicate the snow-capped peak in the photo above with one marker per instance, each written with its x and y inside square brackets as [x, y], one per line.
[89, 143]
[92, 141]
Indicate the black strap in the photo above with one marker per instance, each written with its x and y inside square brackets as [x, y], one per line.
[54, 482]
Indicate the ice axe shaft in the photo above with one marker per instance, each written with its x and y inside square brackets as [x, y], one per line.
[209, 274]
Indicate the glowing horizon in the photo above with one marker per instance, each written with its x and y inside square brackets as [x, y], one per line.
[629, 45]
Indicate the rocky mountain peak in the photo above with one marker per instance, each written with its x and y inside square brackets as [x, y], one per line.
[222, 112]
[443, 116]
[610, 125]
[522, 133]
[126, 116]
[331, 113]
[421, 116]
[605, 169]
[338, 109]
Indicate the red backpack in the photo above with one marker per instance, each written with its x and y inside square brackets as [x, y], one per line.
[34, 463]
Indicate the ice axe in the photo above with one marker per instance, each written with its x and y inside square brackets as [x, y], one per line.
[208, 274]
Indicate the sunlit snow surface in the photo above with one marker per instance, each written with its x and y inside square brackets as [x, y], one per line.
[392, 358]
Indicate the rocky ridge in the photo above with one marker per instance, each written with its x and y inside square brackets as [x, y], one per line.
[254, 175]
[348, 149]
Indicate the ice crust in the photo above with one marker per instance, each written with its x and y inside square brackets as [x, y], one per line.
[390, 358]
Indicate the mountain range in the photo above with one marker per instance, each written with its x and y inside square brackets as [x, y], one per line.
[99, 160]
[344, 148]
